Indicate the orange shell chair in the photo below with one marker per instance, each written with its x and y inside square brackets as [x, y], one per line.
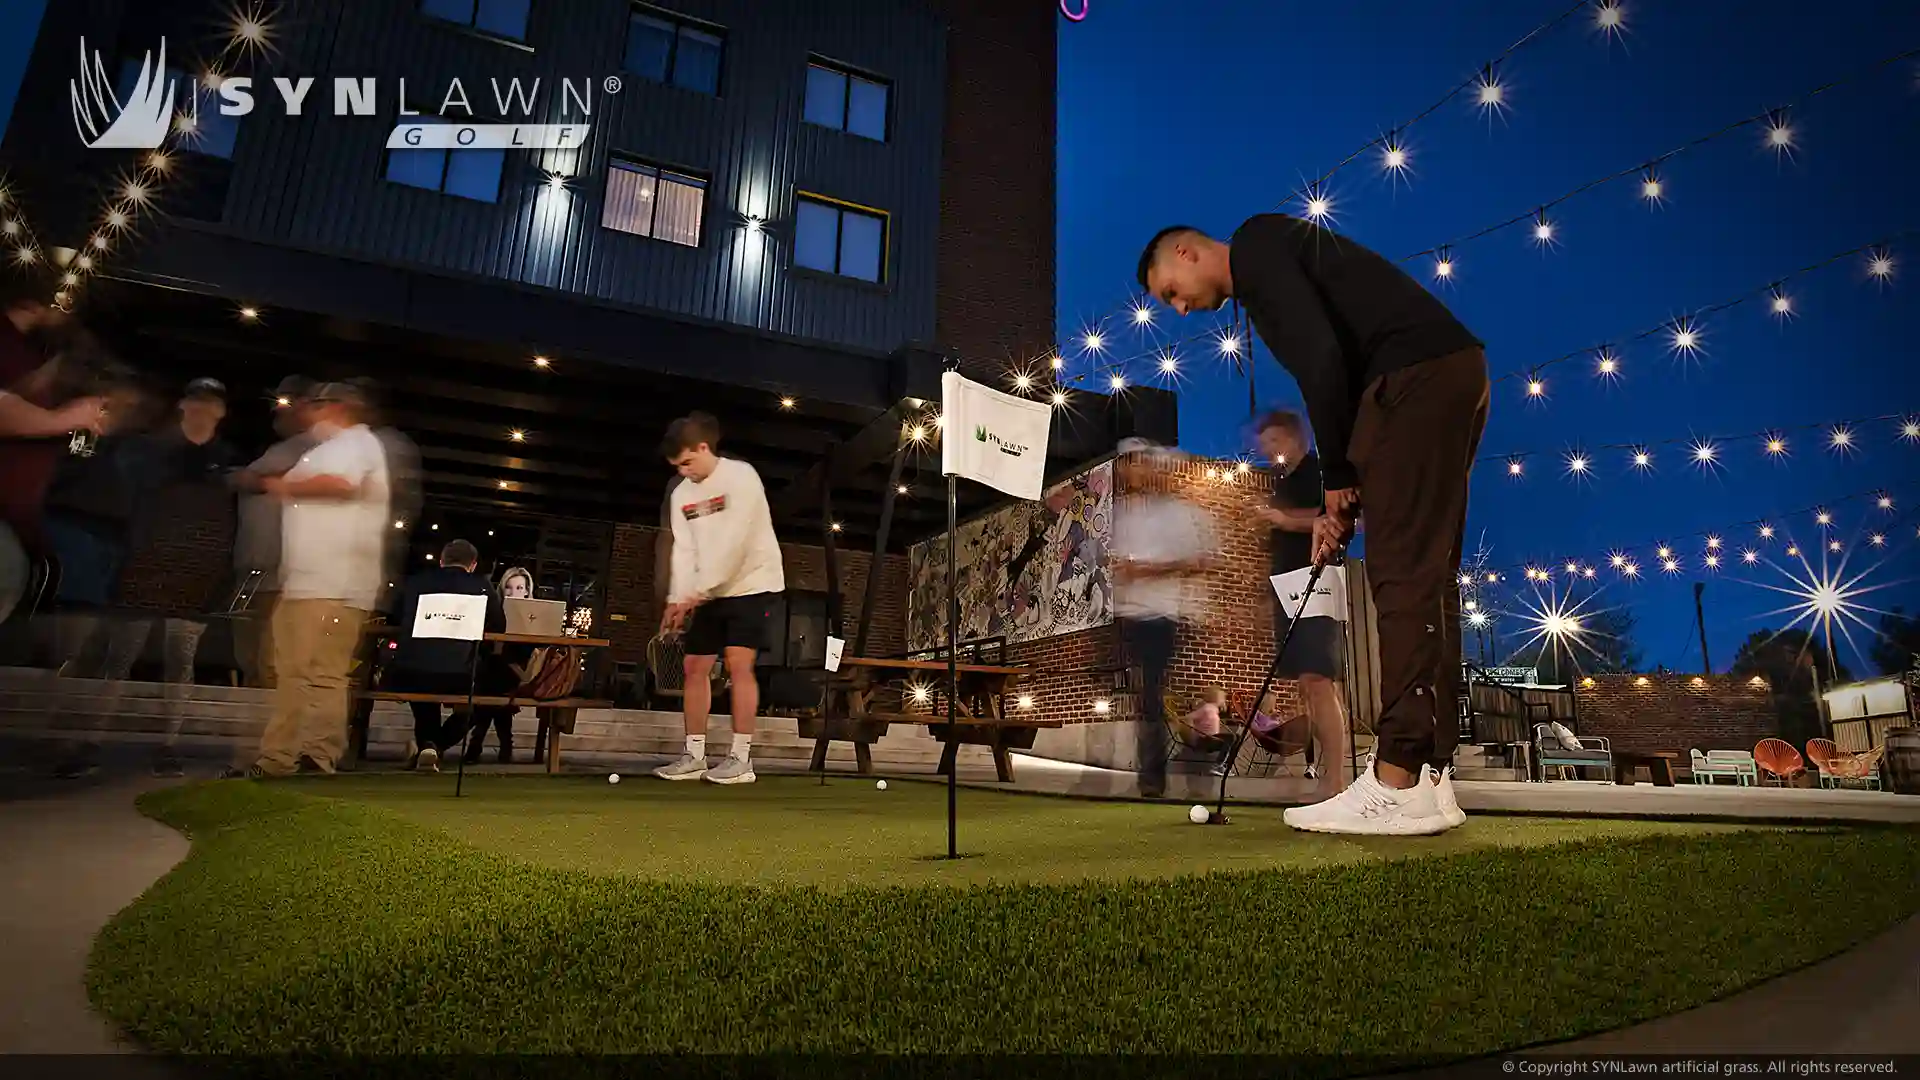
[1777, 758]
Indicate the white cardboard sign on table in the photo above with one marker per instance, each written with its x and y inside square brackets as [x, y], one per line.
[451, 616]
[1329, 595]
[835, 648]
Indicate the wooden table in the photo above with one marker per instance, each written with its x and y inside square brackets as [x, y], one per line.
[1659, 767]
[980, 713]
[556, 717]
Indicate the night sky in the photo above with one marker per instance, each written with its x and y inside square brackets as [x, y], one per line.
[1208, 113]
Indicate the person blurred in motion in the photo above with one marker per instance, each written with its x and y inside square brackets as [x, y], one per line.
[1161, 544]
[34, 427]
[439, 665]
[403, 478]
[505, 666]
[1316, 657]
[256, 544]
[333, 541]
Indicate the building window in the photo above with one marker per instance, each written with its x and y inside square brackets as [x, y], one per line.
[470, 174]
[668, 48]
[843, 101]
[649, 201]
[835, 238]
[198, 124]
[501, 18]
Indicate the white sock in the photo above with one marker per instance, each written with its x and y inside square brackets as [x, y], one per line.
[742, 745]
[697, 747]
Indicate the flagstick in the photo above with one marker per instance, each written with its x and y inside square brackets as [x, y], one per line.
[953, 660]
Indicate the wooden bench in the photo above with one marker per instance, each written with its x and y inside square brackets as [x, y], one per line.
[980, 716]
[556, 716]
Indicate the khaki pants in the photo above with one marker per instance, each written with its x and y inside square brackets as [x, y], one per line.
[314, 642]
[253, 640]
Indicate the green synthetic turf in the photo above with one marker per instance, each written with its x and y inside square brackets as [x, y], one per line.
[377, 915]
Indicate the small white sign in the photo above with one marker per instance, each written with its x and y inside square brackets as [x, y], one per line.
[835, 648]
[1329, 595]
[451, 616]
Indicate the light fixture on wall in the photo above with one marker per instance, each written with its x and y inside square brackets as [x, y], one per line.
[755, 224]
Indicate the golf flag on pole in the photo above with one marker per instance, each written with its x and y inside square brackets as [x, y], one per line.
[993, 438]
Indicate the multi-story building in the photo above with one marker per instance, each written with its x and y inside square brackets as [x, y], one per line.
[785, 212]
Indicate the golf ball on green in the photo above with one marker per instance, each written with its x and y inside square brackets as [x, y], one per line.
[1197, 815]
[882, 785]
[613, 778]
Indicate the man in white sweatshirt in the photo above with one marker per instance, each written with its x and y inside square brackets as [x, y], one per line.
[725, 576]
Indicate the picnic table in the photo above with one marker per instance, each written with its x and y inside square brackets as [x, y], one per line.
[556, 715]
[866, 694]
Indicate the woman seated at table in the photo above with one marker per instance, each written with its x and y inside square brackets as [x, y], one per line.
[503, 668]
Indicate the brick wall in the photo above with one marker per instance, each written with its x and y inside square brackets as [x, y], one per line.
[183, 563]
[996, 263]
[632, 591]
[1675, 713]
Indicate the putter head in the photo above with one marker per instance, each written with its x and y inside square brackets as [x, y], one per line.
[1217, 817]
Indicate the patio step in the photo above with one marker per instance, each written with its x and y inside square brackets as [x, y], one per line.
[211, 715]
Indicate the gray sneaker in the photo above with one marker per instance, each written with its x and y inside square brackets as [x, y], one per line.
[687, 768]
[734, 770]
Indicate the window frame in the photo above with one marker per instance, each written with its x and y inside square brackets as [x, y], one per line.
[679, 23]
[446, 158]
[848, 73]
[842, 208]
[661, 171]
[474, 29]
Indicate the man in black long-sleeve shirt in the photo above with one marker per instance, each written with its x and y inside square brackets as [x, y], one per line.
[1397, 391]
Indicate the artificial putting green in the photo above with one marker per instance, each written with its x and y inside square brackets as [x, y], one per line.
[376, 915]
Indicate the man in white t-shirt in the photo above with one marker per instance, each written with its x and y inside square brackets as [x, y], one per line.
[1162, 547]
[725, 577]
[332, 540]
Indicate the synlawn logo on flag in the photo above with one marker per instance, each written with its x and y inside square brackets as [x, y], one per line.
[1008, 450]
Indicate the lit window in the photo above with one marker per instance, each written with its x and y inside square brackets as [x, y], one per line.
[846, 102]
[503, 18]
[200, 126]
[837, 239]
[647, 201]
[470, 174]
[667, 48]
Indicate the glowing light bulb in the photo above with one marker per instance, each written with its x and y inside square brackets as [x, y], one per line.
[1833, 545]
[1713, 562]
[1651, 189]
[1543, 230]
[1841, 438]
[1910, 430]
[1168, 365]
[1586, 571]
[1749, 556]
[1618, 561]
[517, 435]
[1880, 264]
[1766, 532]
[1608, 363]
[1577, 465]
[1393, 156]
[1704, 453]
[1093, 342]
[1713, 543]
[1573, 568]
[1884, 502]
[1793, 549]
[541, 362]
[1779, 135]
[1642, 459]
[1142, 315]
[1781, 304]
[1489, 94]
[1536, 388]
[1776, 446]
[1609, 17]
[1023, 381]
[1665, 551]
[1876, 539]
[1059, 397]
[1117, 382]
[1229, 345]
[1056, 362]
[1443, 267]
[1513, 468]
[1823, 518]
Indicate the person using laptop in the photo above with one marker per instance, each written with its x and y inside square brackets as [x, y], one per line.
[440, 665]
[505, 665]
[725, 575]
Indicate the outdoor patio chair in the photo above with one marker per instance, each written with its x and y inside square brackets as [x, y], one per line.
[1778, 760]
[1709, 767]
[1836, 767]
[1186, 744]
[1596, 752]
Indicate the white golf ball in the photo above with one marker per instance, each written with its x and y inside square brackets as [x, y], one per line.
[613, 778]
[1197, 815]
[882, 785]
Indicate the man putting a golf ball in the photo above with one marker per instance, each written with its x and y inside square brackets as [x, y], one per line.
[1397, 391]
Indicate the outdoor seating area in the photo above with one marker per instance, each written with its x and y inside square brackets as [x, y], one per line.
[1557, 749]
[1737, 765]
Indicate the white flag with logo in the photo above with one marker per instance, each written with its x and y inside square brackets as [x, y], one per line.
[1329, 596]
[993, 438]
[451, 616]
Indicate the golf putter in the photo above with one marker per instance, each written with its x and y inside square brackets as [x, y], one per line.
[1219, 815]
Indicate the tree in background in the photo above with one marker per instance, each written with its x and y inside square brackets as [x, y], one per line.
[1789, 660]
[1896, 644]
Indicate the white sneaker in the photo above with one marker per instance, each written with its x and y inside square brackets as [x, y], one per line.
[734, 770]
[687, 768]
[1370, 808]
[1449, 805]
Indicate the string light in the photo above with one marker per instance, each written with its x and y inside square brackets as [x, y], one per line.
[1651, 189]
[1880, 264]
[1542, 230]
[1317, 204]
[1606, 363]
[1168, 365]
[1779, 135]
[1842, 438]
[1443, 265]
[1910, 429]
[1117, 382]
[1609, 17]
[1092, 341]
[787, 403]
[1707, 452]
[1023, 381]
[1059, 397]
[1684, 338]
[1883, 501]
[1489, 94]
[1642, 460]
[1781, 304]
[1142, 315]
[1393, 156]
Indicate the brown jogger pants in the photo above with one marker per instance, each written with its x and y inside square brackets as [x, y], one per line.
[1413, 445]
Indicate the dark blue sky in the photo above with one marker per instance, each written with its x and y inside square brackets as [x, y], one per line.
[1207, 113]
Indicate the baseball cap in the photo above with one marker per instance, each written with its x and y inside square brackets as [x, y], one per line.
[204, 388]
[293, 387]
[343, 392]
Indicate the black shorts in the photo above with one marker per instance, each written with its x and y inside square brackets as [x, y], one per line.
[731, 622]
[1319, 647]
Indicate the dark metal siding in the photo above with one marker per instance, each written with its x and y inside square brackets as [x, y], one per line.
[315, 181]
